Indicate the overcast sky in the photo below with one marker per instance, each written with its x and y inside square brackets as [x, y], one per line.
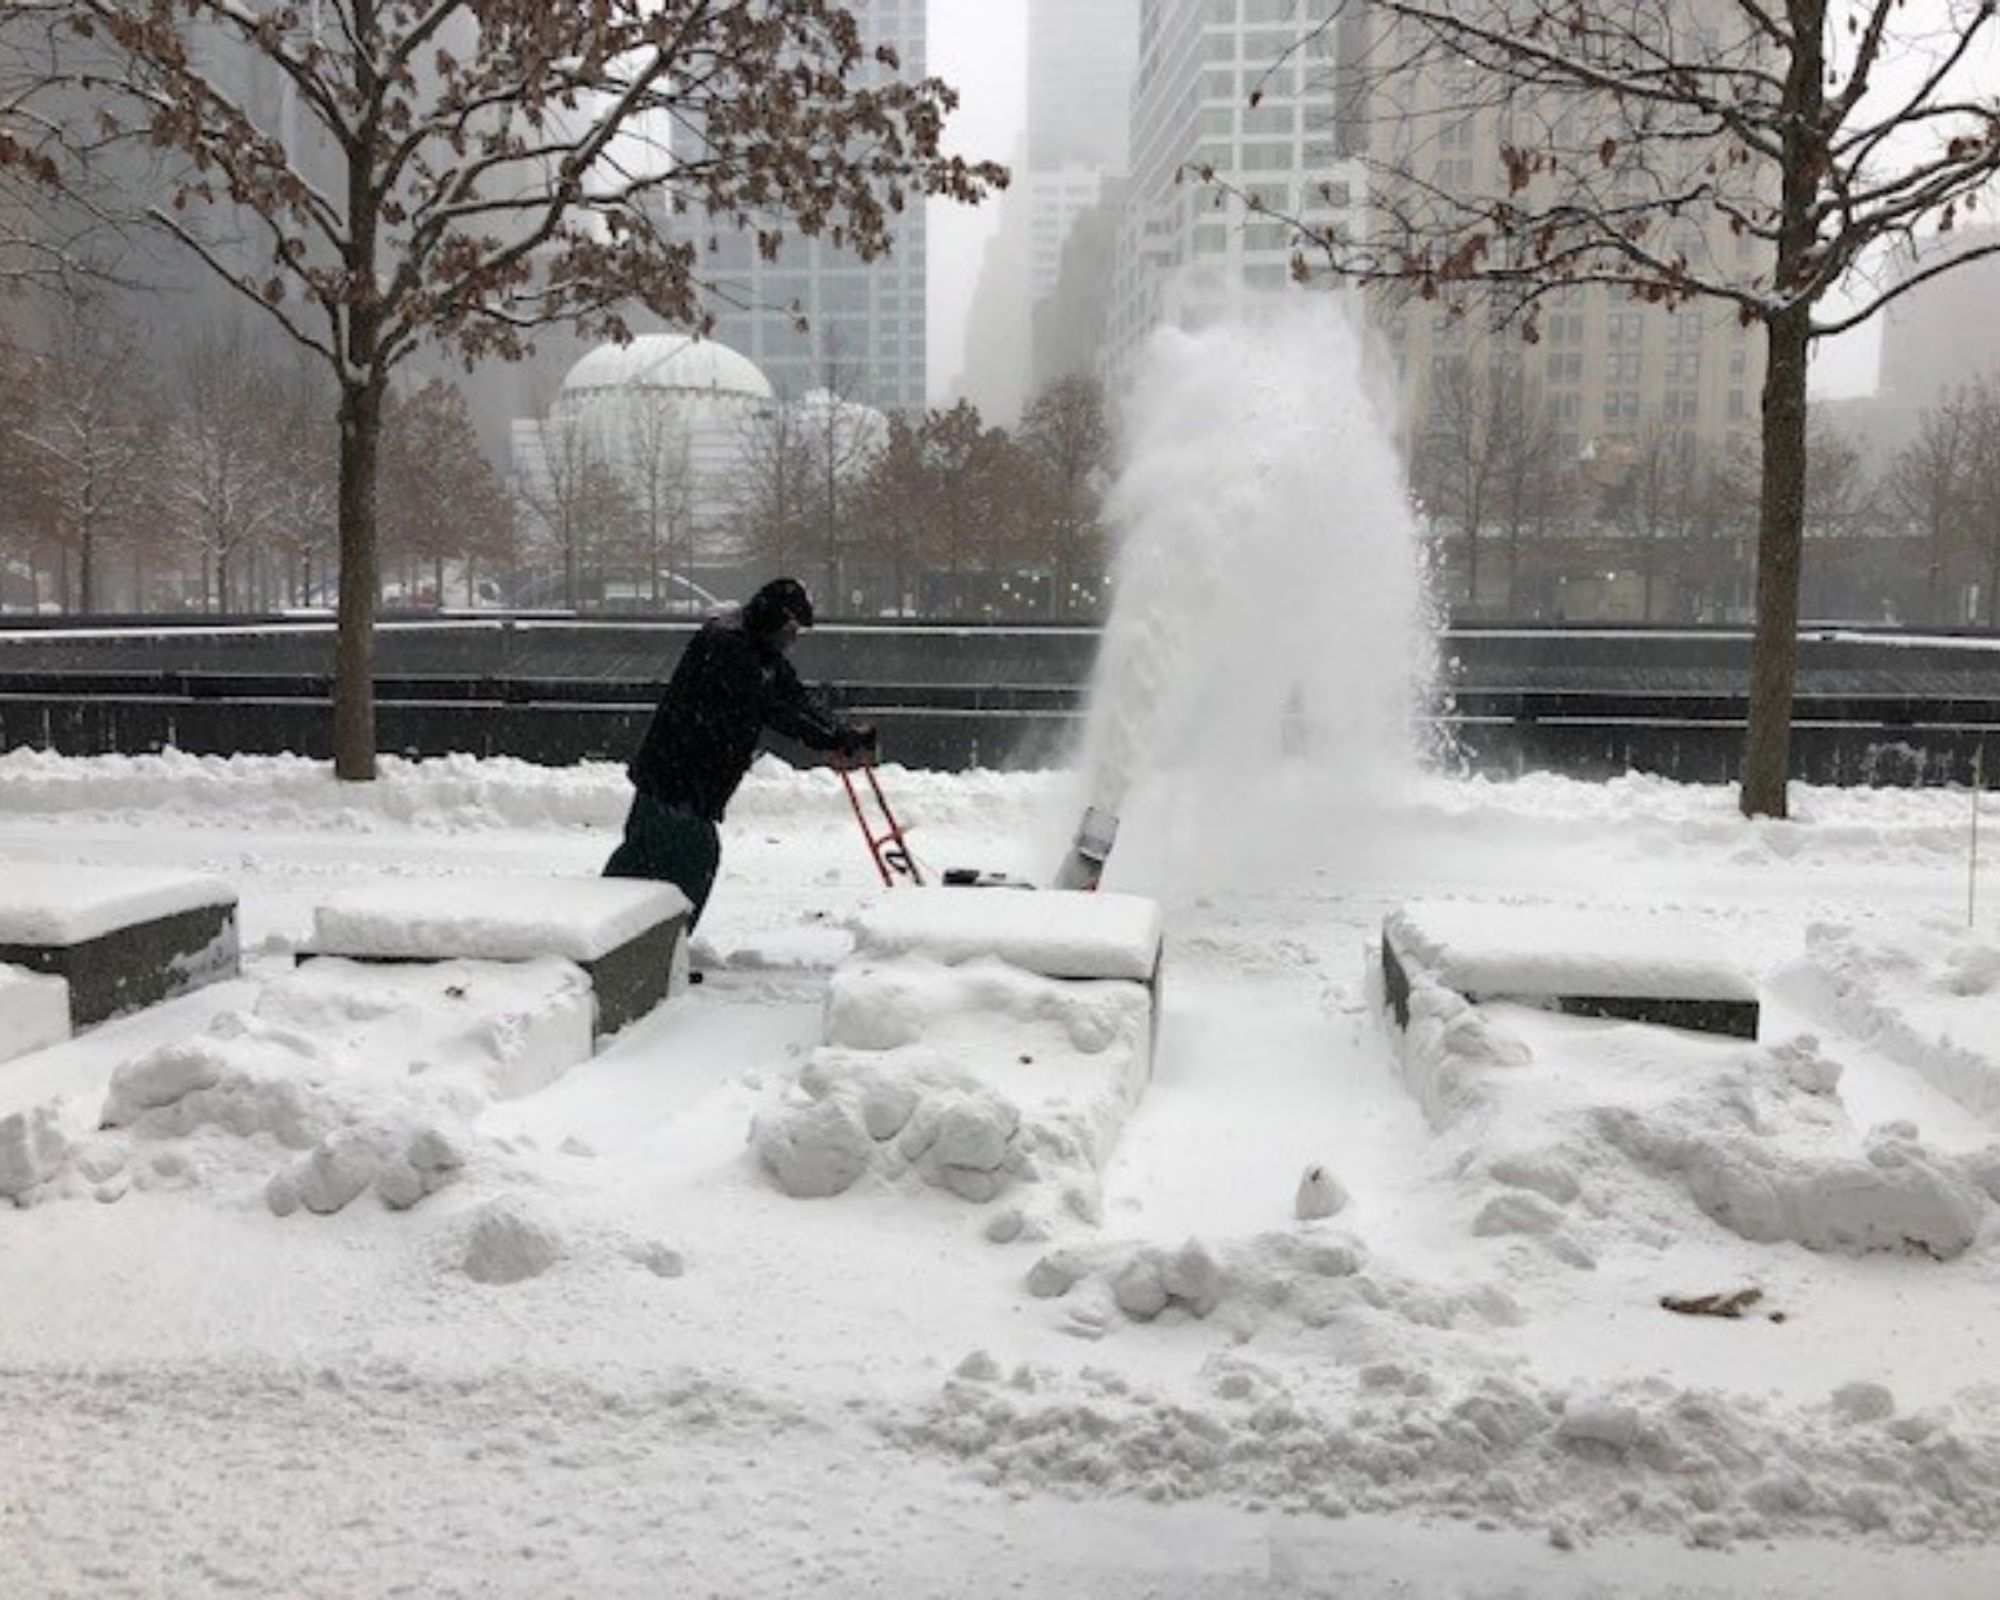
[980, 48]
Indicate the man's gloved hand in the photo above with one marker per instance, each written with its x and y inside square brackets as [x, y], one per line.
[857, 739]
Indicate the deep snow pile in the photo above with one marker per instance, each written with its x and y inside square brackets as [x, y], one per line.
[1930, 999]
[977, 1079]
[1711, 1467]
[1755, 1136]
[334, 1081]
[486, 1223]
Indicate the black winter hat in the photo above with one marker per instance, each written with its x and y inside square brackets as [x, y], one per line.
[779, 601]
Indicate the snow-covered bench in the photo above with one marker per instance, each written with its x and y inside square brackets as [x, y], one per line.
[626, 934]
[1657, 969]
[119, 937]
[1055, 934]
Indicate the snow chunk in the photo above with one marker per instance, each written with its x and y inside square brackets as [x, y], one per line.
[1051, 932]
[815, 1150]
[1320, 1195]
[501, 919]
[34, 1010]
[507, 1245]
[32, 1147]
[50, 903]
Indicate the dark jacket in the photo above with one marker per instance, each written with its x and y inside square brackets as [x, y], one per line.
[729, 686]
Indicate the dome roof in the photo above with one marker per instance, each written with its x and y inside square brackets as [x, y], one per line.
[668, 361]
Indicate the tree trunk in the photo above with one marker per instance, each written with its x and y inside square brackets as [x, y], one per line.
[360, 582]
[86, 577]
[1780, 538]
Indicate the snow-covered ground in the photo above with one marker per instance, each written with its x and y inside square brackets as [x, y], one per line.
[314, 1295]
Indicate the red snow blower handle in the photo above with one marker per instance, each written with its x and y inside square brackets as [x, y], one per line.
[886, 844]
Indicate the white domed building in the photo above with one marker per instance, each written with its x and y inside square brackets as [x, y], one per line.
[670, 416]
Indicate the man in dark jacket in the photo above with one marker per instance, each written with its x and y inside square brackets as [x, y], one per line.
[732, 683]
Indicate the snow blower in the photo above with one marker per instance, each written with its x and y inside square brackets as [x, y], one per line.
[888, 846]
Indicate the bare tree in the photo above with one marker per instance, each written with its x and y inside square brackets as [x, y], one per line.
[894, 503]
[1065, 443]
[1757, 154]
[1840, 505]
[774, 487]
[657, 450]
[1536, 483]
[299, 435]
[974, 506]
[461, 172]
[1457, 462]
[576, 496]
[93, 431]
[1661, 502]
[442, 501]
[223, 479]
[27, 503]
[1981, 520]
[1927, 483]
[841, 434]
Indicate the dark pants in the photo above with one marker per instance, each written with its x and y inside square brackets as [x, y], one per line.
[669, 844]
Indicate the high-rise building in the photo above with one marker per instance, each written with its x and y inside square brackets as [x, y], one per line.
[1081, 55]
[817, 317]
[1941, 334]
[1245, 90]
[1611, 369]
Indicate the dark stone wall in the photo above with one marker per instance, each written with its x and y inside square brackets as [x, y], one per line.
[1871, 708]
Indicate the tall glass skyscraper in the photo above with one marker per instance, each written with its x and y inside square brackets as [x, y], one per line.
[864, 321]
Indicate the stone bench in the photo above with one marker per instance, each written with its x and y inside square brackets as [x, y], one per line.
[1635, 968]
[120, 937]
[627, 934]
